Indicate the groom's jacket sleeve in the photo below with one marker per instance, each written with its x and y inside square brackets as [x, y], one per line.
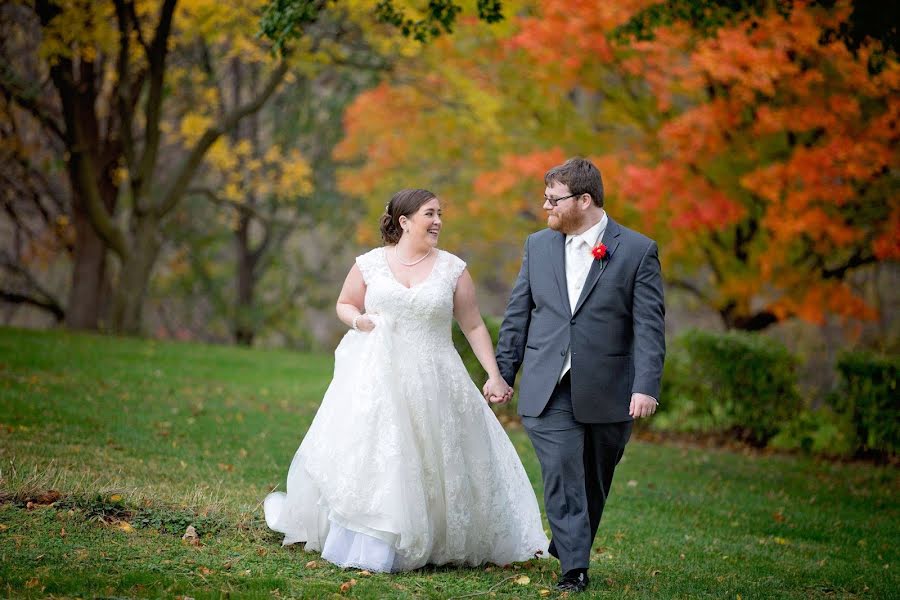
[514, 329]
[649, 316]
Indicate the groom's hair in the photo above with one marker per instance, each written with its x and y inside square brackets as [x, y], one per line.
[403, 204]
[580, 175]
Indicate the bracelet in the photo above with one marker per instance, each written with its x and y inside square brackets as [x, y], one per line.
[356, 321]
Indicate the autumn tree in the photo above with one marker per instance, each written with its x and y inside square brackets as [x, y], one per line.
[34, 196]
[761, 153]
[777, 164]
[133, 149]
[107, 65]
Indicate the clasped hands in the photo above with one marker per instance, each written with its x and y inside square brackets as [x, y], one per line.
[497, 391]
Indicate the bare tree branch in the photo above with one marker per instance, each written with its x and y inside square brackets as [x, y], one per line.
[156, 57]
[254, 211]
[16, 298]
[687, 286]
[14, 89]
[49, 301]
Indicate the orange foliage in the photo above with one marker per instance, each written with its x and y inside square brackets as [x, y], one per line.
[762, 155]
[799, 132]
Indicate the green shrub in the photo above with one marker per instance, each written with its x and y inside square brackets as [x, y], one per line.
[820, 431]
[736, 381]
[867, 394]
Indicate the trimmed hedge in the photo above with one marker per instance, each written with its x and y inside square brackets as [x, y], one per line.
[729, 382]
[867, 394]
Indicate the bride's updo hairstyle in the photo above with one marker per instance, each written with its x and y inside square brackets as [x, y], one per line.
[405, 203]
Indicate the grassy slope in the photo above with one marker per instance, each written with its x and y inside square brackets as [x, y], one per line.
[190, 433]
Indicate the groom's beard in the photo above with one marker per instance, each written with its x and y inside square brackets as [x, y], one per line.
[566, 222]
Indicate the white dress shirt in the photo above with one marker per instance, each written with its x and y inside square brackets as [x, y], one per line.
[578, 262]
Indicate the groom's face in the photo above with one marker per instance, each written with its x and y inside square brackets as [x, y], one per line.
[567, 216]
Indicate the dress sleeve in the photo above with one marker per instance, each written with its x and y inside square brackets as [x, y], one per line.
[366, 264]
[455, 267]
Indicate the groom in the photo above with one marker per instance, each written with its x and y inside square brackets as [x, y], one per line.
[585, 324]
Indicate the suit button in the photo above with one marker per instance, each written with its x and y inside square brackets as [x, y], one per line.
[562, 352]
[572, 321]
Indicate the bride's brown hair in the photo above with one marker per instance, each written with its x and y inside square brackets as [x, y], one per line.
[403, 204]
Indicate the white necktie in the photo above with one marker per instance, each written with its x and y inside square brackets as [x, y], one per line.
[576, 251]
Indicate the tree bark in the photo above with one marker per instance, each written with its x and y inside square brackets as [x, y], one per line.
[90, 283]
[134, 277]
[244, 327]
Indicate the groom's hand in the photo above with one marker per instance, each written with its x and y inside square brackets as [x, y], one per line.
[496, 393]
[642, 405]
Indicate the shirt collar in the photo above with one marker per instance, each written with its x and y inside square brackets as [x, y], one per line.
[594, 234]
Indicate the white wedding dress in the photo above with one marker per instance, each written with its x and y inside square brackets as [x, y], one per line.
[405, 464]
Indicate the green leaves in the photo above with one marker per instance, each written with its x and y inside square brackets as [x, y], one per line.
[283, 20]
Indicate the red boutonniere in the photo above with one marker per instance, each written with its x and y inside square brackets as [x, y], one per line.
[599, 251]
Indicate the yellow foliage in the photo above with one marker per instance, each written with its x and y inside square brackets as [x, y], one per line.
[221, 156]
[193, 126]
[82, 29]
[295, 178]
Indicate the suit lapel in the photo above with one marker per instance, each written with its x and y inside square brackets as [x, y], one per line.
[610, 238]
[558, 264]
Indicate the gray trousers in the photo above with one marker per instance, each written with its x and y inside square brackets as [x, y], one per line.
[577, 465]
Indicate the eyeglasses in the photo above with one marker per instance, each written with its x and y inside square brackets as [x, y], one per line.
[555, 201]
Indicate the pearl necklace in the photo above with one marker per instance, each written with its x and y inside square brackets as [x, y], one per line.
[413, 263]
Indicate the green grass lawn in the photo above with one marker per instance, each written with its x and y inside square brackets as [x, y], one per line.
[142, 438]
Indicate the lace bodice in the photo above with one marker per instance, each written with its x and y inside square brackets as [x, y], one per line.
[421, 314]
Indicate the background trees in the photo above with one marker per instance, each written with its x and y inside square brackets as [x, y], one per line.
[760, 151]
[160, 154]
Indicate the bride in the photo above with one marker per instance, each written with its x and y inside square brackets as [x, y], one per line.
[405, 464]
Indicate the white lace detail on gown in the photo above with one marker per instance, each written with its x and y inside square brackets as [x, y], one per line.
[405, 464]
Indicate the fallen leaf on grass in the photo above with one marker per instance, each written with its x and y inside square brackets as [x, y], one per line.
[115, 498]
[544, 592]
[62, 532]
[347, 585]
[33, 582]
[124, 526]
[190, 536]
[365, 573]
[523, 580]
[3, 527]
[205, 571]
[632, 483]
[312, 564]
[48, 497]
[655, 572]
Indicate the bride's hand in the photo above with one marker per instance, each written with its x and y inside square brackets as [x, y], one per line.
[497, 391]
[365, 323]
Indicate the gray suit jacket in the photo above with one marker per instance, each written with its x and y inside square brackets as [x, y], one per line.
[616, 332]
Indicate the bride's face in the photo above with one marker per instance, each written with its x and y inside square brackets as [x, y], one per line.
[425, 224]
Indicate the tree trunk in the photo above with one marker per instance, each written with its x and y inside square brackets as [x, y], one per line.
[244, 326]
[134, 277]
[243, 321]
[90, 285]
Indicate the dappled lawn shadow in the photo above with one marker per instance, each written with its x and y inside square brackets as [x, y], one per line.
[205, 440]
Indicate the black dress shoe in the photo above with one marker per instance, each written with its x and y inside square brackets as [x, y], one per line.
[574, 581]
